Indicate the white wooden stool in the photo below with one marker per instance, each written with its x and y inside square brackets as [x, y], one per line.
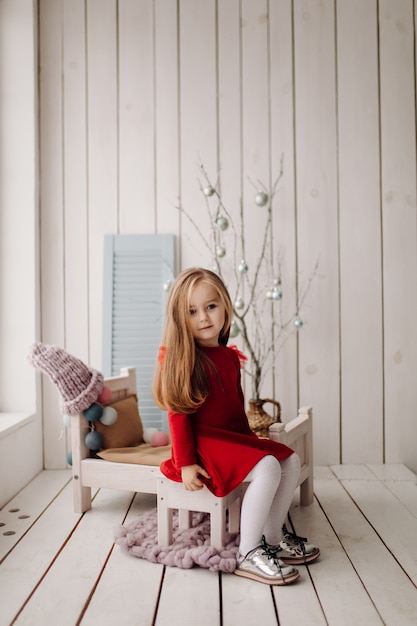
[172, 495]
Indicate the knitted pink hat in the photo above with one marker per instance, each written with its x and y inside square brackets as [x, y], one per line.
[78, 385]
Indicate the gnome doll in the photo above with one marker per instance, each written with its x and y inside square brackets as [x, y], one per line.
[79, 386]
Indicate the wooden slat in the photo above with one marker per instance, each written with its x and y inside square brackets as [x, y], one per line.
[22, 512]
[128, 587]
[81, 563]
[399, 224]
[242, 599]
[65, 568]
[360, 234]
[382, 510]
[200, 606]
[136, 116]
[103, 153]
[390, 590]
[167, 163]
[393, 471]
[342, 596]
[23, 569]
[255, 160]
[75, 196]
[286, 383]
[198, 139]
[52, 264]
[316, 217]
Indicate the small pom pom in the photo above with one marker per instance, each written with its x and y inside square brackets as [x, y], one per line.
[94, 412]
[67, 420]
[109, 416]
[69, 458]
[148, 433]
[105, 396]
[94, 440]
[159, 439]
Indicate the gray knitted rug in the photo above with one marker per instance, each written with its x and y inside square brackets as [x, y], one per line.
[190, 547]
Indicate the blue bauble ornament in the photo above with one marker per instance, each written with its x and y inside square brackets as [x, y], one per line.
[94, 440]
[94, 412]
[67, 420]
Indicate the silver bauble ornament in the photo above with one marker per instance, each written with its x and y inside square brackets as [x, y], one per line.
[239, 304]
[269, 294]
[234, 329]
[298, 322]
[261, 198]
[222, 222]
[276, 294]
[243, 267]
[208, 191]
[167, 285]
[220, 251]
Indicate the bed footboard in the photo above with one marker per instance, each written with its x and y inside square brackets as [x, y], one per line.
[298, 435]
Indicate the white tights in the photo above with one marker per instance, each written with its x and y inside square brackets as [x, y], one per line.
[267, 499]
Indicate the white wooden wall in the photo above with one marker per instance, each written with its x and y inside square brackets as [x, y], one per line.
[134, 92]
[21, 450]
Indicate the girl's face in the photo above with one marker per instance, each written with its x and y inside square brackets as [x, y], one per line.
[207, 314]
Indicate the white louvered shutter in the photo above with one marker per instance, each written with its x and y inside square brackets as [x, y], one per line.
[136, 270]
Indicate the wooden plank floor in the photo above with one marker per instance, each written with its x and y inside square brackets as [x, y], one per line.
[62, 569]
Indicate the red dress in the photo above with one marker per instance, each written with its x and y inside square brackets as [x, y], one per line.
[218, 436]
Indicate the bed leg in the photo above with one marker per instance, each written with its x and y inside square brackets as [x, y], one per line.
[306, 492]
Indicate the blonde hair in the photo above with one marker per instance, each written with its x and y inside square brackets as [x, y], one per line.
[180, 382]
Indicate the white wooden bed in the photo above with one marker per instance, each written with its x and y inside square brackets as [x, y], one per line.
[95, 472]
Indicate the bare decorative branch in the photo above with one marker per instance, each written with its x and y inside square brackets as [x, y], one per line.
[260, 320]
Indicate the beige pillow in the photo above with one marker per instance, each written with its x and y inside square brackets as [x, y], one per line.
[127, 430]
[145, 454]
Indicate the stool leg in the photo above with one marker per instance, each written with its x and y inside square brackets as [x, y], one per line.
[217, 524]
[184, 519]
[234, 516]
[164, 514]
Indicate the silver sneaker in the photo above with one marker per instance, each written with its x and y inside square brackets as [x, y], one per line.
[294, 550]
[260, 565]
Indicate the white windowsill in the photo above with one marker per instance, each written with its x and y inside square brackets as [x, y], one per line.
[10, 422]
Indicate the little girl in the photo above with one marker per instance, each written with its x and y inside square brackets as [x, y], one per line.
[198, 383]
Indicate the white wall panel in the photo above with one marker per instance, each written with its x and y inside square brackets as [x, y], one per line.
[360, 233]
[52, 263]
[75, 174]
[398, 169]
[103, 151]
[198, 122]
[284, 217]
[136, 116]
[134, 94]
[317, 217]
[167, 131]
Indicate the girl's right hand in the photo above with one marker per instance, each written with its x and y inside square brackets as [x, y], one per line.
[190, 477]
